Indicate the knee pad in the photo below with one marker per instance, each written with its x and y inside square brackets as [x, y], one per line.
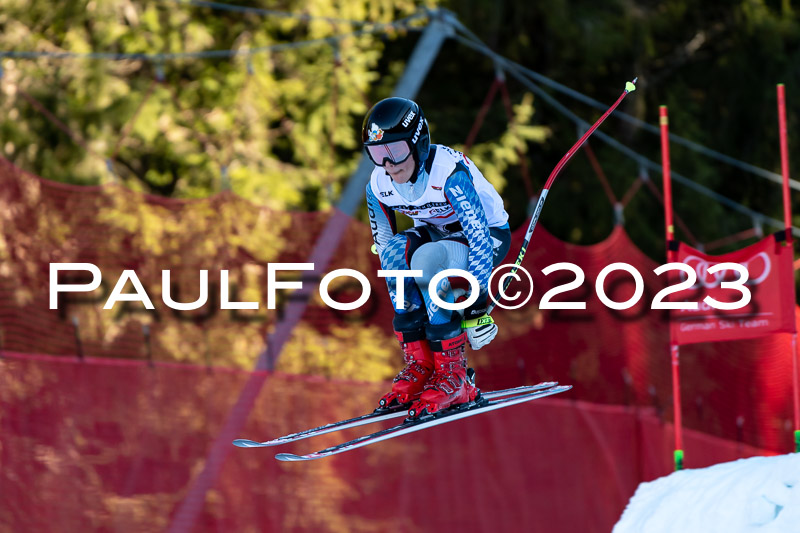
[434, 257]
[430, 258]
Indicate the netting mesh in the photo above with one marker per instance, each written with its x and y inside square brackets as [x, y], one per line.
[115, 445]
[132, 437]
[45, 222]
[737, 390]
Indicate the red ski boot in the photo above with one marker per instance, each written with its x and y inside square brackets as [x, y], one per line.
[451, 384]
[408, 384]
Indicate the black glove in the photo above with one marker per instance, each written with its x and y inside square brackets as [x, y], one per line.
[478, 309]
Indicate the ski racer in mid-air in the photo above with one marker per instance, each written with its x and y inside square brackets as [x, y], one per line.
[459, 223]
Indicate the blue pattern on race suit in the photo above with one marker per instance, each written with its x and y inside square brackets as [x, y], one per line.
[462, 195]
[381, 221]
[436, 314]
[392, 252]
[394, 258]
[392, 249]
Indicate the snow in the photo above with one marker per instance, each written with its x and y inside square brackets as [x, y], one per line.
[755, 495]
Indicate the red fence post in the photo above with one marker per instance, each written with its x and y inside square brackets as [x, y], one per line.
[787, 217]
[663, 120]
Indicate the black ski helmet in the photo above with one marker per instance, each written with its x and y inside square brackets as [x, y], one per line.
[398, 119]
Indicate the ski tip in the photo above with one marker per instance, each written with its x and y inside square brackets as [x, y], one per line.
[246, 443]
[290, 457]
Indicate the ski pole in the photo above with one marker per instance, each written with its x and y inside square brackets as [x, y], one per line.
[629, 87]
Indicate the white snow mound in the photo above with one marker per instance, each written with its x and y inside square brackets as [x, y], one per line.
[755, 495]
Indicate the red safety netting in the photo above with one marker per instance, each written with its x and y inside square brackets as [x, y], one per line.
[736, 390]
[114, 445]
[45, 222]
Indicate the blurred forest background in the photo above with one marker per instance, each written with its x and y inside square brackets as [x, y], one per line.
[281, 127]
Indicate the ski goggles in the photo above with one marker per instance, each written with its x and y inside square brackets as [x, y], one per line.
[396, 152]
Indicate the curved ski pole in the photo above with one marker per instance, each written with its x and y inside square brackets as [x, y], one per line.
[629, 87]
